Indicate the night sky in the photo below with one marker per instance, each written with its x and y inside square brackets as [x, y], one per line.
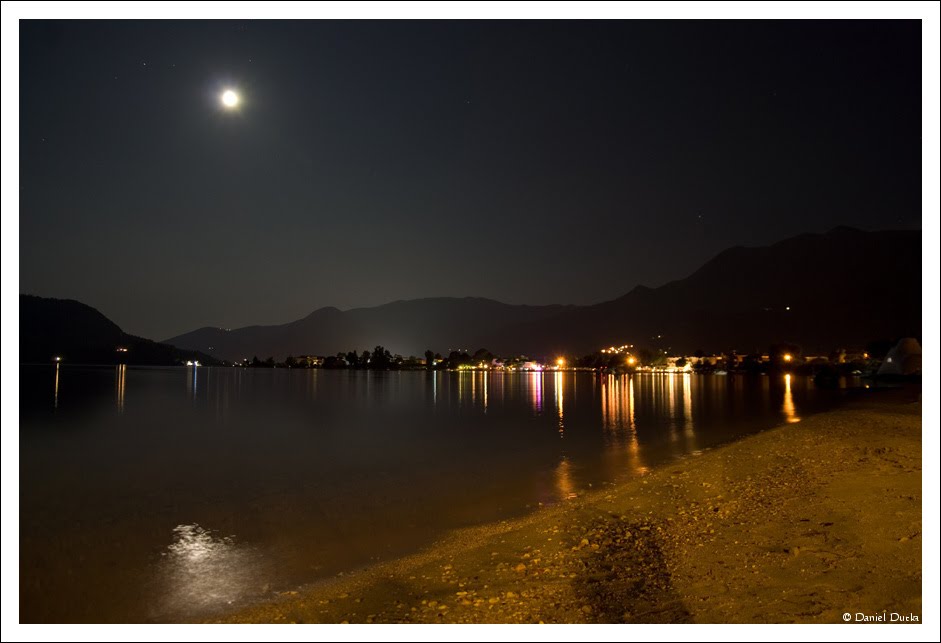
[544, 162]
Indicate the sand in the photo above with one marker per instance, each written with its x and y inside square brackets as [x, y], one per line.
[802, 523]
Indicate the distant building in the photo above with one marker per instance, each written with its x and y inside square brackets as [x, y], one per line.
[853, 355]
[531, 366]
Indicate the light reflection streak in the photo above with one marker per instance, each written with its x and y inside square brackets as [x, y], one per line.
[192, 374]
[671, 402]
[536, 387]
[227, 386]
[461, 376]
[788, 408]
[564, 480]
[314, 382]
[609, 403]
[671, 394]
[55, 400]
[473, 388]
[633, 444]
[618, 411]
[630, 402]
[120, 373]
[688, 430]
[614, 407]
[559, 403]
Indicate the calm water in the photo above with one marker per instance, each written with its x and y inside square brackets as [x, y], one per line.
[172, 494]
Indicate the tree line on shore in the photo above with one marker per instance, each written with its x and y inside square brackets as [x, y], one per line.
[780, 356]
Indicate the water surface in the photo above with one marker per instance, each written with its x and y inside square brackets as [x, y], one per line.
[173, 494]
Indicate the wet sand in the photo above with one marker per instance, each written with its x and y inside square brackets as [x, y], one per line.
[801, 523]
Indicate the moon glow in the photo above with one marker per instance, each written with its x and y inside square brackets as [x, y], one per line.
[230, 99]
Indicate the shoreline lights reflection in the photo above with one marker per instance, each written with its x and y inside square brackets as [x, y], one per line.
[473, 388]
[564, 480]
[625, 399]
[119, 379]
[618, 417]
[535, 383]
[687, 403]
[192, 376]
[788, 408]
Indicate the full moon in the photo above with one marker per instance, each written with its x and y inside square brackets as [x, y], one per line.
[230, 99]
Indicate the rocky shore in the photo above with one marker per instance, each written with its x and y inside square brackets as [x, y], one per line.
[802, 523]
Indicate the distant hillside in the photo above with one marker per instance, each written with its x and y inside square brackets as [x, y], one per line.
[821, 291]
[406, 327]
[80, 334]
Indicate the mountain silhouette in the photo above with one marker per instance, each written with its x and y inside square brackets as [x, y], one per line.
[821, 291]
[406, 327]
[78, 333]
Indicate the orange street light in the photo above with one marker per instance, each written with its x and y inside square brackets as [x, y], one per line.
[788, 357]
[631, 361]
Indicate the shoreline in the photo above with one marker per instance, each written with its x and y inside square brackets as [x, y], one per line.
[800, 523]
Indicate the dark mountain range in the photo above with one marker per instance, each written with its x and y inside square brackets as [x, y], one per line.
[80, 334]
[821, 291]
[407, 327]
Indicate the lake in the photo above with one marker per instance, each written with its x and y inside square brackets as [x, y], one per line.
[172, 494]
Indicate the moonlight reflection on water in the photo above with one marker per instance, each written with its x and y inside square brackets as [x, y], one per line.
[202, 573]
